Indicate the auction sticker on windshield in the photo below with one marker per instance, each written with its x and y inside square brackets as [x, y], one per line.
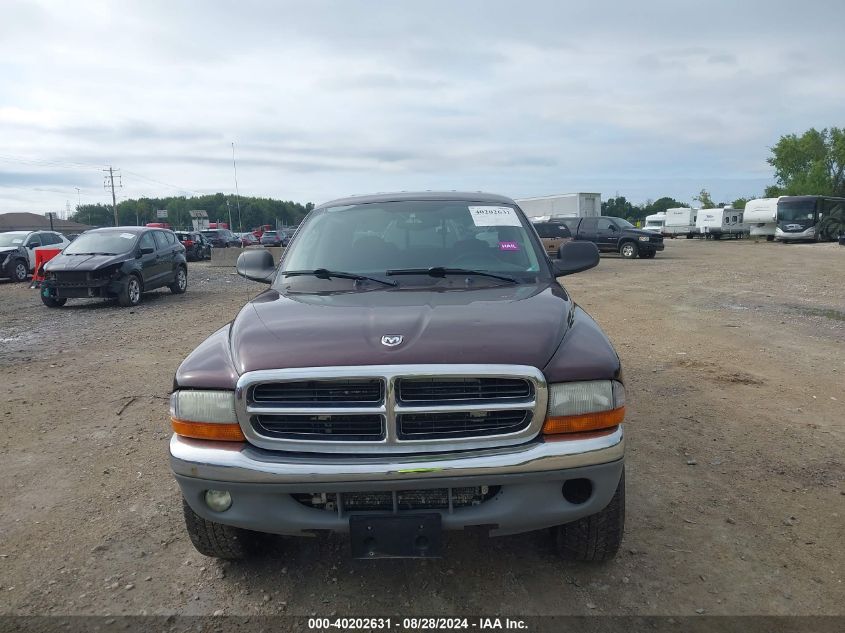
[127, 236]
[494, 216]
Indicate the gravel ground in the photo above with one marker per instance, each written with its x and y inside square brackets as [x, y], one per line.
[733, 354]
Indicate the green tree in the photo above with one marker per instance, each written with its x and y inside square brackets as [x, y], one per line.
[810, 164]
[704, 198]
[739, 203]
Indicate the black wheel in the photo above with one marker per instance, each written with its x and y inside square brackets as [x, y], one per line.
[770, 238]
[628, 250]
[51, 301]
[598, 536]
[649, 255]
[18, 270]
[218, 540]
[130, 294]
[180, 284]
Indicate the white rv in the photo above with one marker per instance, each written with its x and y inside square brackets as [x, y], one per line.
[681, 221]
[761, 216]
[716, 223]
[655, 222]
[566, 205]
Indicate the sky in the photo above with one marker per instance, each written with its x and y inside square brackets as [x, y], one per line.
[326, 99]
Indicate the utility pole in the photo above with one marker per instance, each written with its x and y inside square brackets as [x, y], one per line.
[237, 193]
[230, 214]
[110, 174]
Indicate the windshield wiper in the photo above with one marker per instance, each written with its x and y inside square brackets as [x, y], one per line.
[322, 273]
[439, 271]
[90, 253]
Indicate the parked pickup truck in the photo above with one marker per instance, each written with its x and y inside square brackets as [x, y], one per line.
[613, 235]
[434, 376]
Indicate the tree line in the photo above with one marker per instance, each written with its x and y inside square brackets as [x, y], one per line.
[810, 164]
[219, 207]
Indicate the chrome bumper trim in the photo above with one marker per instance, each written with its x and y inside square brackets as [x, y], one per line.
[237, 462]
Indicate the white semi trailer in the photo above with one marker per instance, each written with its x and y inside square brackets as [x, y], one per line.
[565, 205]
[761, 215]
[681, 221]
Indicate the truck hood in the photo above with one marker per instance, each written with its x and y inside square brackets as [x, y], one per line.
[7, 249]
[63, 262]
[521, 324]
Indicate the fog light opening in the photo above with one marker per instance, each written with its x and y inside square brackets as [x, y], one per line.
[577, 491]
[218, 500]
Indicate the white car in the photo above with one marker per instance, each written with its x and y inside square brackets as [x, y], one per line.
[18, 248]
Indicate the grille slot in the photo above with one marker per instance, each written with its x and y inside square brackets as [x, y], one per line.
[457, 424]
[320, 392]
[405, 500]
[72, 278]
[343, 427]
[452, 390]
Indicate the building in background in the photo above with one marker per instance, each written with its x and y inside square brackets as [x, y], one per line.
[37, 222]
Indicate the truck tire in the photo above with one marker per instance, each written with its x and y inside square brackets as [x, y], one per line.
[18, 270]
[770, 238]
[598, 536]
[52, 302]
[130, 294]
[628, 250]
[180, 284]
[648, 254]
[218, 540]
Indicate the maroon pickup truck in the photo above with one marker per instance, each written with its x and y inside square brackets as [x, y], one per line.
[413, 367]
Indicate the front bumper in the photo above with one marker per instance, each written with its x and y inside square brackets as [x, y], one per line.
[785, 236]
[80, 290]
[530, 478]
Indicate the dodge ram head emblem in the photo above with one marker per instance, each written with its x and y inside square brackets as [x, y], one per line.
[391, 340]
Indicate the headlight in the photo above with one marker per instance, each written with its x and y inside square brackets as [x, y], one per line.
[576, 407]
[208, 415]
[644, 238]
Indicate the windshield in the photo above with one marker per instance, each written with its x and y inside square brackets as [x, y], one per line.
[11, 239]
[796, 210]
[113, 242]
[655, 223]
[370, 239]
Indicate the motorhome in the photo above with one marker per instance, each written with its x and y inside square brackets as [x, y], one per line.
[761, 216]
[655, 222]
[565, 205]
[720, 222]
[814, 218]
[681, 221]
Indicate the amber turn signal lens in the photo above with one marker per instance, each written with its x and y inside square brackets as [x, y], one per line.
[208, 430]
[584, 422]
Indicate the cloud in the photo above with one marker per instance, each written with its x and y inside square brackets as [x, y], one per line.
[330, 98]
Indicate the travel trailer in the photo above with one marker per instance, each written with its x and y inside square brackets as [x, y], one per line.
[761, 217]
[717, 223]
[655, 222]
[681, 221]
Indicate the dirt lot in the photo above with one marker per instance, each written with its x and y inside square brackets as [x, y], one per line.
[735, 361]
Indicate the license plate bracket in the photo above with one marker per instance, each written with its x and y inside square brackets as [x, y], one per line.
[395, 536]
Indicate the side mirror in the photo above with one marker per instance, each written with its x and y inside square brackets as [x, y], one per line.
[576, 257]
[147, 250]
[257, 265]
[32, 246]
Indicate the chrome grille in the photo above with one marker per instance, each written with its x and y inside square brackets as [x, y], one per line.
[391, 408]
[320, 392]
[427, 426]
[462, 389]
[350, 428]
